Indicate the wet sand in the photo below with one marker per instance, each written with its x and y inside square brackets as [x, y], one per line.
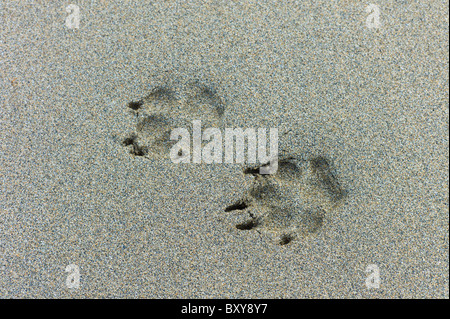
[372, 100]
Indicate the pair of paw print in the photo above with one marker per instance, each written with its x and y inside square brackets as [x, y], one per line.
[289, 204]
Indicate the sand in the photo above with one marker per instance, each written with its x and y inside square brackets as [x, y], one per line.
[372, 100]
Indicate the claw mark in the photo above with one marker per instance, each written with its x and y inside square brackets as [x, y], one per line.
[247, 225]
[135, 105]
[237, 206]
[285, 239]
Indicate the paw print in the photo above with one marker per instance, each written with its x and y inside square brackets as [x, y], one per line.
[168, 107]
[292, 202]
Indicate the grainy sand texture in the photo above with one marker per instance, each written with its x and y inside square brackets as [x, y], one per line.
[359, 210]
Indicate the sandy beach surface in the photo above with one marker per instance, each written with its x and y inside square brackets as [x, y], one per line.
[372, 98]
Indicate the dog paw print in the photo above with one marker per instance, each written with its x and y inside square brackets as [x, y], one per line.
[169, 107]
[292, 202]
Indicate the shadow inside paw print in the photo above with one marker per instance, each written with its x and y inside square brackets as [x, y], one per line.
[290, 203]
[168, 107]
